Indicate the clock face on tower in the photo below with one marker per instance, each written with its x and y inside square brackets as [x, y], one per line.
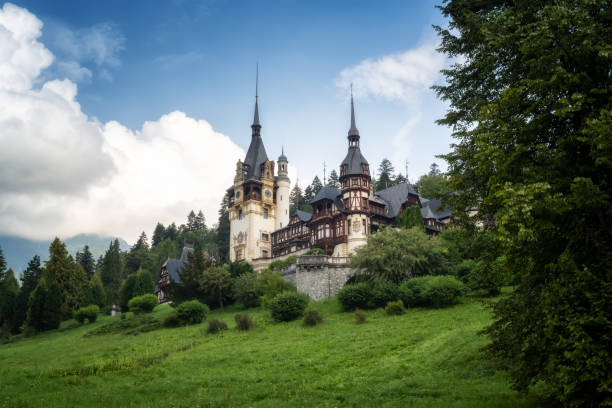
[268, 193]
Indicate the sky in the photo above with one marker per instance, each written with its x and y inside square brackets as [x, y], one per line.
[117, 115]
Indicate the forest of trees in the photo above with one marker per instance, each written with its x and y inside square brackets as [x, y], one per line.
[50, 293]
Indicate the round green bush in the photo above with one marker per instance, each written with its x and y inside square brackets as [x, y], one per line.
[244, 290]
[288, 306]
[384, 293]
[216, 326]
[142, 303]
[172, 321]
[395, 308]
[90, 313]
[432, 291]
[355, 296]
[312, 318]
[192, 312]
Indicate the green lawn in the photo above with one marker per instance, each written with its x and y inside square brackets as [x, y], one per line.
[425, 358]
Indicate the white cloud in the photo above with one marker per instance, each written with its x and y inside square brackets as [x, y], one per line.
[74, 71]
[402, 76]
[63, 173]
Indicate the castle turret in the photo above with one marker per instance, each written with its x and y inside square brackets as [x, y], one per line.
[282, 193]
[355, 180]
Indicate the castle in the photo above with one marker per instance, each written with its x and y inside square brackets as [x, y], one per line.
[262, 229]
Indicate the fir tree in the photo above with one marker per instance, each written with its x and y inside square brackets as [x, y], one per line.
[9, 288]
[69, 276]
[45, 306]
[29, 280]
[171, 232]
[158, 235]
[385, 175]
[316, 185]
[222, 233]
[86, 260]
[308, 194]
[111, 270]
[138, 256]
[333, 180]
[296, 198]
[95, 292]
[191, 274]
[2, 265]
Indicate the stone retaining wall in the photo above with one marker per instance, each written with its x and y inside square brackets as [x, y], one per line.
[319, 276]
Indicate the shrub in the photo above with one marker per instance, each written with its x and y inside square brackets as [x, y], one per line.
[172, 321]
[143, 303]
[384, 293]
[312, 318]
[192, 312]
[315, 251]
[432, 291]
[215, 326]
[90, 313]
[356, 296]
[395, 308]
[270, 284]
[288, 306]
[244, 322]
[360, 316]
[244, 290]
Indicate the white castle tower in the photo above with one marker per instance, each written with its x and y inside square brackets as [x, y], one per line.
[282, 192]
[258, 201]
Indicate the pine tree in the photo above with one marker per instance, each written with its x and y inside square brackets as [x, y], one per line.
[158, 234]
[112, 271]
[171, 232]
[385, 175]
[316, 185]
[29, 280]
[222, 233]
[333, 180]
[411, 217]
[400, 179]
[434, 169]
[95, 292]
[308, 194]
[138, 256]
[191, 221]
[200, 221]
[191, 273]
[9, 288]
[2, 265]
[296, 198]
[45, 306]
[69, 276]
[86, 260]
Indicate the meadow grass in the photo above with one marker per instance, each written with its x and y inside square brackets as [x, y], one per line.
[423, 358]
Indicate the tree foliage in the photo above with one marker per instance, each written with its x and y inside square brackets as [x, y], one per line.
[531, 113]
[411, 217]
[216, 282]
[86, 260]
[395, 255]
[333, 180]
[69, 277]
[112, 270]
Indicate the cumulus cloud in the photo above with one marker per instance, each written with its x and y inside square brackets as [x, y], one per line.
[402, 76]
[63, 173]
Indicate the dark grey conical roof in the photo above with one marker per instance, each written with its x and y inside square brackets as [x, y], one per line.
[256, 155]
[354, 159]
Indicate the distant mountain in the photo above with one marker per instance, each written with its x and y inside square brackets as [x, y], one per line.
[18, 251]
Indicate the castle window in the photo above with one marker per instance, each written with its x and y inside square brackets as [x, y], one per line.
[265, 237]
[264, 253]
[349, 226]
[355, 181]
[265, 213]
[239, 214]
[364, 226]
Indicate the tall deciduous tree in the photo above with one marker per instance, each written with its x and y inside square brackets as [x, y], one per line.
[216, 282]
[433, 186]
[531, 112]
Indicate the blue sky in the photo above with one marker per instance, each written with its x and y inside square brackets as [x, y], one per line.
[135, 61]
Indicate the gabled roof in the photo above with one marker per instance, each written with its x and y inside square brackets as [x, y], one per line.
[436, 207]
[427, 213]
[303, 215]
[174, 267]
[396, 196]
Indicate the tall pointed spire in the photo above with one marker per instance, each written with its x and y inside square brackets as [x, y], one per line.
[353, 130]
[256, 116]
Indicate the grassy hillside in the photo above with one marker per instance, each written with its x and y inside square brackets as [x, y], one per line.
[425, 358]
